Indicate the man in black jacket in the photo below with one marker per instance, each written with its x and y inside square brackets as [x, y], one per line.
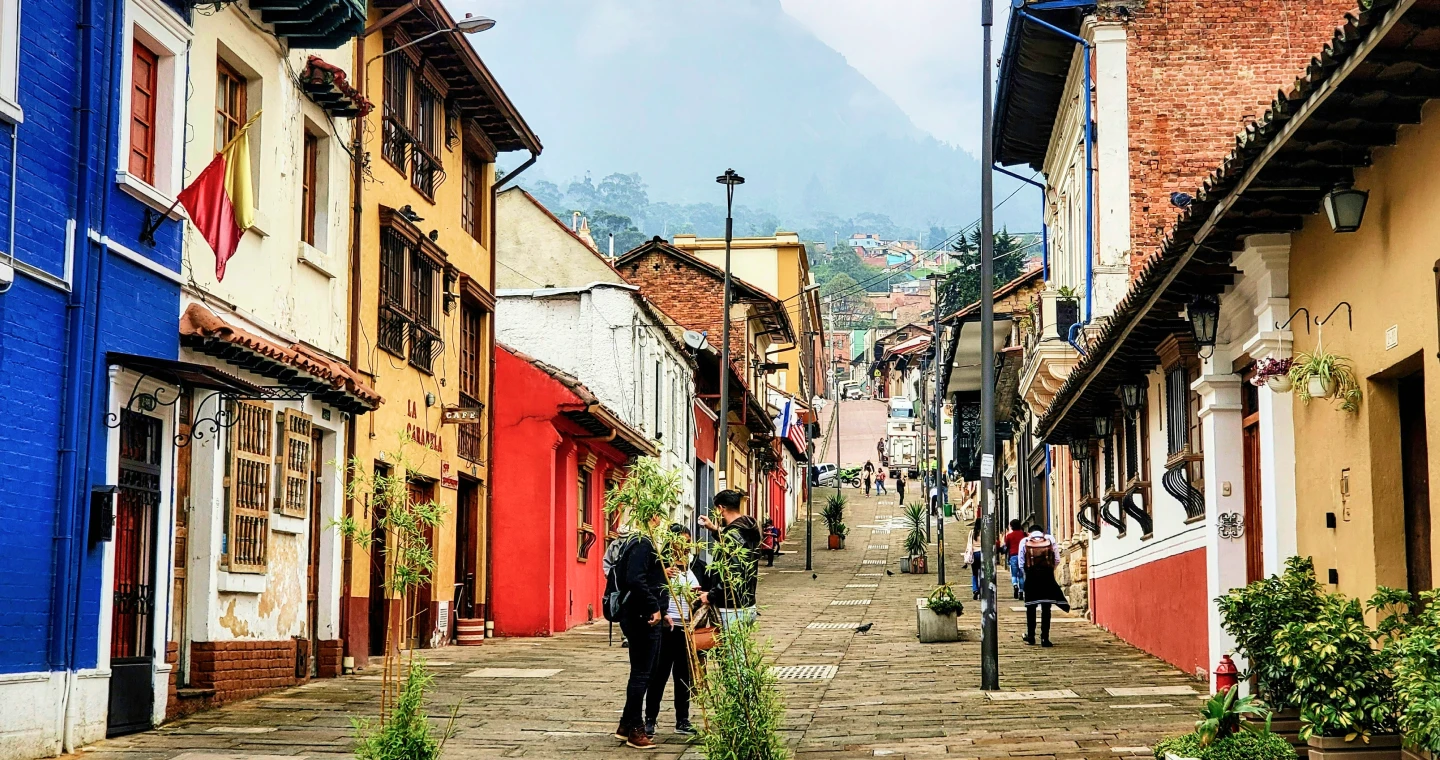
[641, 579]
[733, 592]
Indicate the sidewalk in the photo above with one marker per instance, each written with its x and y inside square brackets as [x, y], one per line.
[1091, 696]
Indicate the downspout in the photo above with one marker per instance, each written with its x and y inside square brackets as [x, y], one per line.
[357, 180]
[1087, 51]
[490, 386]
[1044, 228]
[68, 552]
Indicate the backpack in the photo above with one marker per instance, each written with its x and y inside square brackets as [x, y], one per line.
[615, 596]
[1039, 553]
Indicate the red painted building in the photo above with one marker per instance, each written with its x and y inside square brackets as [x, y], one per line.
[556, 449]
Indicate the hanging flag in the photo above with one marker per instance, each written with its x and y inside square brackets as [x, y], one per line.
[221, 201]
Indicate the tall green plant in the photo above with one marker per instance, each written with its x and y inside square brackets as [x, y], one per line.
[407, 735]
[648, 492]
[834, 514]
[1254, 613]
[915, 519]
[1417, 676]
[1340, 673]
[742, 702]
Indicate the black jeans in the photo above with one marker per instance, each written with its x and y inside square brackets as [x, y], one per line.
[644, 648]
[1044, 620]
[674, 660]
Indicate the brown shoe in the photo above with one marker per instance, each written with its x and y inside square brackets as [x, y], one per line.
[622, 733]
[639, 740]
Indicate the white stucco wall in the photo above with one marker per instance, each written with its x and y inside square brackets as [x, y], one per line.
[601, 335]
[535, 250]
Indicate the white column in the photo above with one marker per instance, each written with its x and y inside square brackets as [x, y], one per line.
[1112, 164]
[1224, 472]
[1266, 260]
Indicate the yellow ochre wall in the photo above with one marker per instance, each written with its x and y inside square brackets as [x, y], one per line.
[1385, 271]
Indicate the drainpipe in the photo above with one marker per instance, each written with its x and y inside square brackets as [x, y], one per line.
[1044, 228]
[1087, 53]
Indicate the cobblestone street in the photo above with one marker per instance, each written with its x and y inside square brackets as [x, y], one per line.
[879, 693]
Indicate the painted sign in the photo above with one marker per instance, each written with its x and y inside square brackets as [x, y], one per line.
[424, 437]
[460, 415]
[448, 478]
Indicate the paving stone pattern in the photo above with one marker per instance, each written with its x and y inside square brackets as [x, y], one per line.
[874, 694]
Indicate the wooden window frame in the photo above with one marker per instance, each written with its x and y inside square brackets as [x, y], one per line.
[293, 459]
[472, 197]
[309, 185]
[146, 88]
[584, 507]
[229, 116]
[249, 468]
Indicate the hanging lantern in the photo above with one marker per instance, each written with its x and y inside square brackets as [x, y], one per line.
[1104, 426]
[1132, 396]
[1080, 449]
[1204, 313]
[1345, 206]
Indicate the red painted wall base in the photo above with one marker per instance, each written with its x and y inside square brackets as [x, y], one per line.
[1160, 607]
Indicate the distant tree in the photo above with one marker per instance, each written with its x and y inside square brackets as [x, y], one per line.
[961, 285]
[549, 195]
[935, 236]
[623, 194]
[764, 225]
[603, 224]
[581, 193]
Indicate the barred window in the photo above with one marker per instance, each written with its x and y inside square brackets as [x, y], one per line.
[292, 464]
[395, 137]
[247, 487]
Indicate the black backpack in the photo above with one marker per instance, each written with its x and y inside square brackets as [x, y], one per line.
[615, 596]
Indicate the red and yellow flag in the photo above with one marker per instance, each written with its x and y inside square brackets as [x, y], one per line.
[221, 201]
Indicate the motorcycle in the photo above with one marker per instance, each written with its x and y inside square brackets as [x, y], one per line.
[850, 476]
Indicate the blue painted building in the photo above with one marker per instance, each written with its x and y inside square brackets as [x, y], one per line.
[79, 288]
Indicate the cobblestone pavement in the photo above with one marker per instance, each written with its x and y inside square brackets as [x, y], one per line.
[1091, 696]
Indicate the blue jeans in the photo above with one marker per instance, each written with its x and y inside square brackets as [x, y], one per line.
[1017, 575]
[975, 573]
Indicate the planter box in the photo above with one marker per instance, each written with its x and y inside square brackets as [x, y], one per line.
[934, 628]
[1067, 313]
[1417, 754]
[920, 564]
[1336, 748]
[1286, 723]
[836, 541]
[904, 564]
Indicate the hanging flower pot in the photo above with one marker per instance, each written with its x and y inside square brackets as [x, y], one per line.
[1326, 375]
[1320, 387]
[1279, 383]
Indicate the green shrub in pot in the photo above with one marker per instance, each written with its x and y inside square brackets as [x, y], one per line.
[1417, 676]
[1254, 613]
[1220, 734]
[915, 545]
[1339, 671]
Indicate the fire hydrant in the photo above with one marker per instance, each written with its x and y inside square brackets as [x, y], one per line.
[1226, 674]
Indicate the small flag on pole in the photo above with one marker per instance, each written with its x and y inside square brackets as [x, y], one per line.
[221, 201]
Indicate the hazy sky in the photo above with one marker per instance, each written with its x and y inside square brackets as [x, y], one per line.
[925, 54]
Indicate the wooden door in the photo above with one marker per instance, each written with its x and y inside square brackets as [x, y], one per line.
[467, 548]
[1254, 514]
[317, 527]
[1415, 469]
[182, 536]
[422, 622]
[379, 596]
[132, 650]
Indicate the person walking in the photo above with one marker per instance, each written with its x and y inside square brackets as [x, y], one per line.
[732, 584]
[673, 660]
[900, 486]
[1041, 555]
[972, 558]
[1012, 554]
[643, 601]
[880, 481]
[769, 542]
[869, 472]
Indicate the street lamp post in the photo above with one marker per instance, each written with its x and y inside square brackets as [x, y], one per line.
[990, 624]
[941, 486]
[729, 179]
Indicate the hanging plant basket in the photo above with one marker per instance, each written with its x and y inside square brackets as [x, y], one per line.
[1325, 375]
[1319, 387]
[1273, 374]
[1280, 383]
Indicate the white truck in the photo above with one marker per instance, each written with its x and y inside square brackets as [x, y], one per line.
[902, 439]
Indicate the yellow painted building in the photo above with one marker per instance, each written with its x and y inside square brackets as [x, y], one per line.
[424, 284]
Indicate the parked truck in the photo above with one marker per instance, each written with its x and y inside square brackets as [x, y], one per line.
[902, 439]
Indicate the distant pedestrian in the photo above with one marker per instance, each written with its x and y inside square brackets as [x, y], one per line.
[769, 542]
[673, 660]
[1013, 540]
[972, 558]
[732, 584]
[869, 473]
[1041, 555]
[880, 481]
[900, 486]
[643, 600]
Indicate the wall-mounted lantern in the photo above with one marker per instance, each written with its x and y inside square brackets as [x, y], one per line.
[1204, 314]
[1080, 449]
[1132, 396]
[1104, 426]
[1345, 207]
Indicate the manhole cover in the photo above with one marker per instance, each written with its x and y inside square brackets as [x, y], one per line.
[832, 626]
[804, 672]
[848, 602]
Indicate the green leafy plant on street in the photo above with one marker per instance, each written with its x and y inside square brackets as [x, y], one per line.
[741, 700]
[942, 601]
[1222, 716]
[834, 515]
[407, 734]
[1241, 746]
[915, 545]
[1342, 682]
[1417, 676]
[1254, 613]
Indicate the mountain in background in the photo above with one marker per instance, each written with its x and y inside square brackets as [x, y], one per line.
[678, 91]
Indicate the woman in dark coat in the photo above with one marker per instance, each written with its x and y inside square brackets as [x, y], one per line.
[1041, 555]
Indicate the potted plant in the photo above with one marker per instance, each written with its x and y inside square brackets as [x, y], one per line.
[1342, 682]
[1417, 681]
[1252, 615]
[1222, 734]
[1067, 310]
[834, 516]
[936, 615]
[915, 560]
[1273, 374]
[1322, 374]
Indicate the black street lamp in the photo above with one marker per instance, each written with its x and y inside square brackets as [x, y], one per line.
[1080, 449]
[1104, 426]
[1204, 314]
[729, 179]
[1132, 396]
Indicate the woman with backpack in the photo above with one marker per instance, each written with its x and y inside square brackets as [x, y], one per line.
[1040, 555]
[972, 558]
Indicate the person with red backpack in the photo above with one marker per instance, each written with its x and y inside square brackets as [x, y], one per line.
[1040, 555]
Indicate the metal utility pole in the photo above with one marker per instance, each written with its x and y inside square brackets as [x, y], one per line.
[990, 623]
[729, 179]
[940, 484]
